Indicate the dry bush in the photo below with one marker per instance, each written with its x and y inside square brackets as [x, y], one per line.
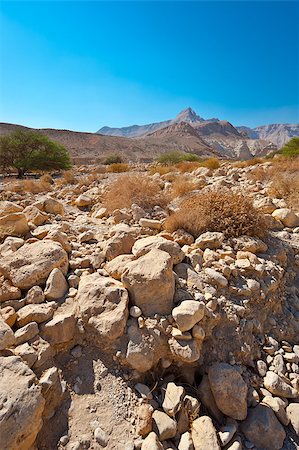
[249, 162]
[182, 185]
[211, 163]
[88, 179]
[68, 177]
[231, 213]
[118, 168]
[162, 170]
[129, 189]
[33, 186]
[46, 178]
[188, 166]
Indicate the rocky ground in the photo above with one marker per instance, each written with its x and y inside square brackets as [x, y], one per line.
[117, 334]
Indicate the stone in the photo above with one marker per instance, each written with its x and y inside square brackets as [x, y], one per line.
[27, 353]
[286, 216]
[44, 352]
[263, 429]
[61, 328]
[150, 282]
[212, 240]
[31, 264]
[229, 390]
[204, 434]
[261, 367]
[227, 432]
[56, 285]
[117, 265]
[150, 223]
[143, 390]
[278, 405]
[265, 205]
[120, 243]
[164, 425]
[188, 313]
[10, 245]
[151, 442]
[9, 315]
[187, 351]
[83, 200]
[173, 398]
[34, 215]
[53, 206]
[27, 332]
[14, 224]
[99, 213]
[135, 312]
[103, 305]
[60, 237]
[144, 420]
[101, 436]
[7, 207]
[293, 415]
[7, 338]
[53, 390]
[145, 245]
[277, 386]
[250, 244]
[216, 278]
[207, 398]
[35, 313]
[198, 332]
[21, 405]
[186, 442]
[35, 295]
[8, 291]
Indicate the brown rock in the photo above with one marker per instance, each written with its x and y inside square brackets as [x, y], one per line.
[204, 434]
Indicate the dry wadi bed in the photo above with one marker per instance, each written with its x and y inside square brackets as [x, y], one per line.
[153, 308]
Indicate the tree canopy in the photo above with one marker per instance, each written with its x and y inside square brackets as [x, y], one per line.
[291, 148]
[30, 150]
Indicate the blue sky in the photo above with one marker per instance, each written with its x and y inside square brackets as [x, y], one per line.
[81, 65]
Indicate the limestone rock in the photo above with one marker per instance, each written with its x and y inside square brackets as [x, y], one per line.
[27, 353]
[34, 215]
[293, 415]
[186, 442]
[185, 350]
[278, 405]
[277, 386]
[35, 313]
[263, 429]
[165, 426]
[145, 245]
[120, 243]
[287, 217]
[7, 291]
[207, 398]
[83, 200]
[14, 224]
[7, 338]
[150, 223]
[32, 263]
[204, 434]
[9, 315]
[53, 206]
[212, 240]
[188, 313]
[144, 420]
[56, 285]
[216, 278]
[151, 442]
[150, 282]
[26, 333]
[172, 398]
[53, 390]
[103, 304]
[35, 295]
[61, 328]
[229, 390]
[7, 207]
[21, 405]
[116, 266]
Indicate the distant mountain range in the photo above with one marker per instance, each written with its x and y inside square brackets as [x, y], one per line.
[277, 134]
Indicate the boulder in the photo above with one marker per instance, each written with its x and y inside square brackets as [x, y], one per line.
[34, 215]
[61, 328]
[187, 351]
[27, 353]
[188, 313]
[150, 223]
[186, 442]
[7, 207]
[287, 217]
[7, 338]
[263, 429]
[164, 425]
[103, 305]
[116, 266]
[150, 282]
[120, 243]
[144, 420]
[27, 332]
[10, 245]
[216, 278]
[145, 245]
[278, 405]
[14, 224]
[204, 434]
[229, 390]
[53, 389]
[8, 291]
[35, 295]
[8, 314]
[53, 206]
[277, 386]
[21, 405]
[56, 285]
[210, 240]
[83, 200]
[35, 313]
[151, 442]
[31, 264]
[293, 415]
[173, 398]
[207, 398]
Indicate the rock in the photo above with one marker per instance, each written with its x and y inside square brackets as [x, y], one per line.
[261, 367]
[7, 207]
[7, 338]
[293, 415]
[145, 245]
[144, 420]
[56, 285]
[192, 278]
[99, 213]
[21, 405]
[59, 236]
[103, 305]
[207, 398]
[263, 429]
[265, 205]
[101, 436]
[27, 332]
[278, 405]
[187, 351]
[188, 313]
[27, 353]
[198, 332]
[182, 237]
[9, 315]
[204, 434]
[227, 432]
[135, 312]
[116, 266]
[229, 390]
[53, 390]
[173, 398]
[186, 442]
[212, 240]
[143, 390]
[235, 444]
[10, 245]
[53, 206]
[287, 217]
[150, 223]
[83, 200]
[44, 353]
[150, 282]
[35, 313]
[34, 215]
[250, 244]
[120, 243]
[61, 328]
[164, 425]
[35, 295]
[14, 224]
[7, 291]
[31, 264]
[151, 442]
[216, 278]
[277, 386]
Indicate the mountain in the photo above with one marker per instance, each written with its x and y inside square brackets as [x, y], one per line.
[277, 133]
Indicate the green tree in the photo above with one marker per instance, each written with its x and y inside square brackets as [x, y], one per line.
[29, 150]
[291, 148]
[175, 157]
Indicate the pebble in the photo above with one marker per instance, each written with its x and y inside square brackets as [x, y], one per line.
[101, 436]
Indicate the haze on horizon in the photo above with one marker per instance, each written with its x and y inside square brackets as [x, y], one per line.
[83, 65]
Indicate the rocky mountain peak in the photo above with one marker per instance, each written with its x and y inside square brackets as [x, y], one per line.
[188, 115]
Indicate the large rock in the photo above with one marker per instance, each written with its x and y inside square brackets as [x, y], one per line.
[263, 429]
[7, 337]
[14, 224]
[35, 313]
[145, 245]
[207, 398]
[164, 425]
[173, 398]
[287, 217]
[7, 291]
[32, 263]
[120, 243]
[188, 313]
[34, 215]
[53, 389]
[56, 285]
[103, 304]
[116, 266]
[210, 240]
[151, 442]
[53, 206]
[229, 390]
[187, 351]
[204, 434]
[7, 207]
[21, 405]
[150, 282]
[293, 415]
[61, 328]
[277, 386]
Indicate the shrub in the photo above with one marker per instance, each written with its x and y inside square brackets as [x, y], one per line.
[291, 148]
[118, 168]
[33, 186]
[182, 185]
[172, 158]
[113, 159]
[231, 213]
[162, 170]
[249, 162]
[211, 163]
[129, 189]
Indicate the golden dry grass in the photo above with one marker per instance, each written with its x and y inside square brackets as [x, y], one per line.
[118, 168]
[32, 186]
[249, 162]
[231, 213]
[186, 166]
[162, 170]
[182, 185]
[129, 189]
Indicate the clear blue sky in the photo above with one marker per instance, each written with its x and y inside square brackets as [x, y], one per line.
[81, 65]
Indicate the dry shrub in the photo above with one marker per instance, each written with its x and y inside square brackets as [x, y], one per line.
[129, 189]
[68, 177]
[162, 170]
[118, 168]
[33, 186]
[88, 179]
[46, 178]
[231, 213]
[182, 185]
[249, 162]
[211, 163]
[188, 166]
